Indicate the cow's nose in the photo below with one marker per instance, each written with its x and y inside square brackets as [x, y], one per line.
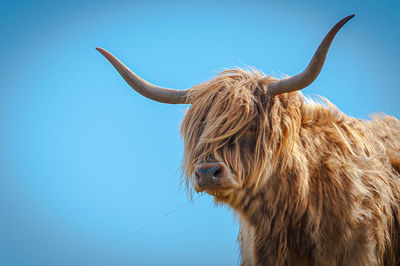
[208, 175]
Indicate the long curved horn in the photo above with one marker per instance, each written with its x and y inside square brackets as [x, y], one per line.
[305, 78]
[153, 92]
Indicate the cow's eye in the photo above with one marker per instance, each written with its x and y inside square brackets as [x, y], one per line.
[232, 142]
[249, 140]
[252, 129]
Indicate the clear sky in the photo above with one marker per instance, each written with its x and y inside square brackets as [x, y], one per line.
[85, 162]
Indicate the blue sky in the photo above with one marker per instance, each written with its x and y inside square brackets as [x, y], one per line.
[85, 161]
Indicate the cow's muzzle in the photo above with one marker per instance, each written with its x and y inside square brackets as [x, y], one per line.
[214, 176]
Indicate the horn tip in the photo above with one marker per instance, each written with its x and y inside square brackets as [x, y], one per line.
[105, 53]
[100, 49]
[349, 17]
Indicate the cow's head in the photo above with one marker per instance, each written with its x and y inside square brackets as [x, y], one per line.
[230, 139]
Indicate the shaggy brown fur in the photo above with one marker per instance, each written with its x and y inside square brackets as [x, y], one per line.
[317, 187]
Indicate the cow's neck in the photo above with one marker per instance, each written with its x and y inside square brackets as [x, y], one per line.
[274, 223]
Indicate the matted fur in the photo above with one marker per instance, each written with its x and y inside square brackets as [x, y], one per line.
[317, 187]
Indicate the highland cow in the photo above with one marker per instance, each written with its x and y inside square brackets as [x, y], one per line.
[311, 185]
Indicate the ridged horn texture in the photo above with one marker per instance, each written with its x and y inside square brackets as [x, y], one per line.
[305, 78]
[153, 92]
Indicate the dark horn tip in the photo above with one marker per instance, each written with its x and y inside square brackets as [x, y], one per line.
[340, 24]
[107, 55]
[348, 18]
[101, 50]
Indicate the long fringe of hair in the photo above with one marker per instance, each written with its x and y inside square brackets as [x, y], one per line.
[231, 106]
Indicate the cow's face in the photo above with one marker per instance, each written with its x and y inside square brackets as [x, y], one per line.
[224, 132]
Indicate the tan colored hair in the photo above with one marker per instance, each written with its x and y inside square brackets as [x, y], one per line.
[318, 187]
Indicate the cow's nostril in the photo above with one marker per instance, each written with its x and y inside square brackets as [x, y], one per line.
[218, 173]
[197, 176]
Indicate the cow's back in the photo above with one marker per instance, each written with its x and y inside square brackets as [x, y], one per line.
[387, 129]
